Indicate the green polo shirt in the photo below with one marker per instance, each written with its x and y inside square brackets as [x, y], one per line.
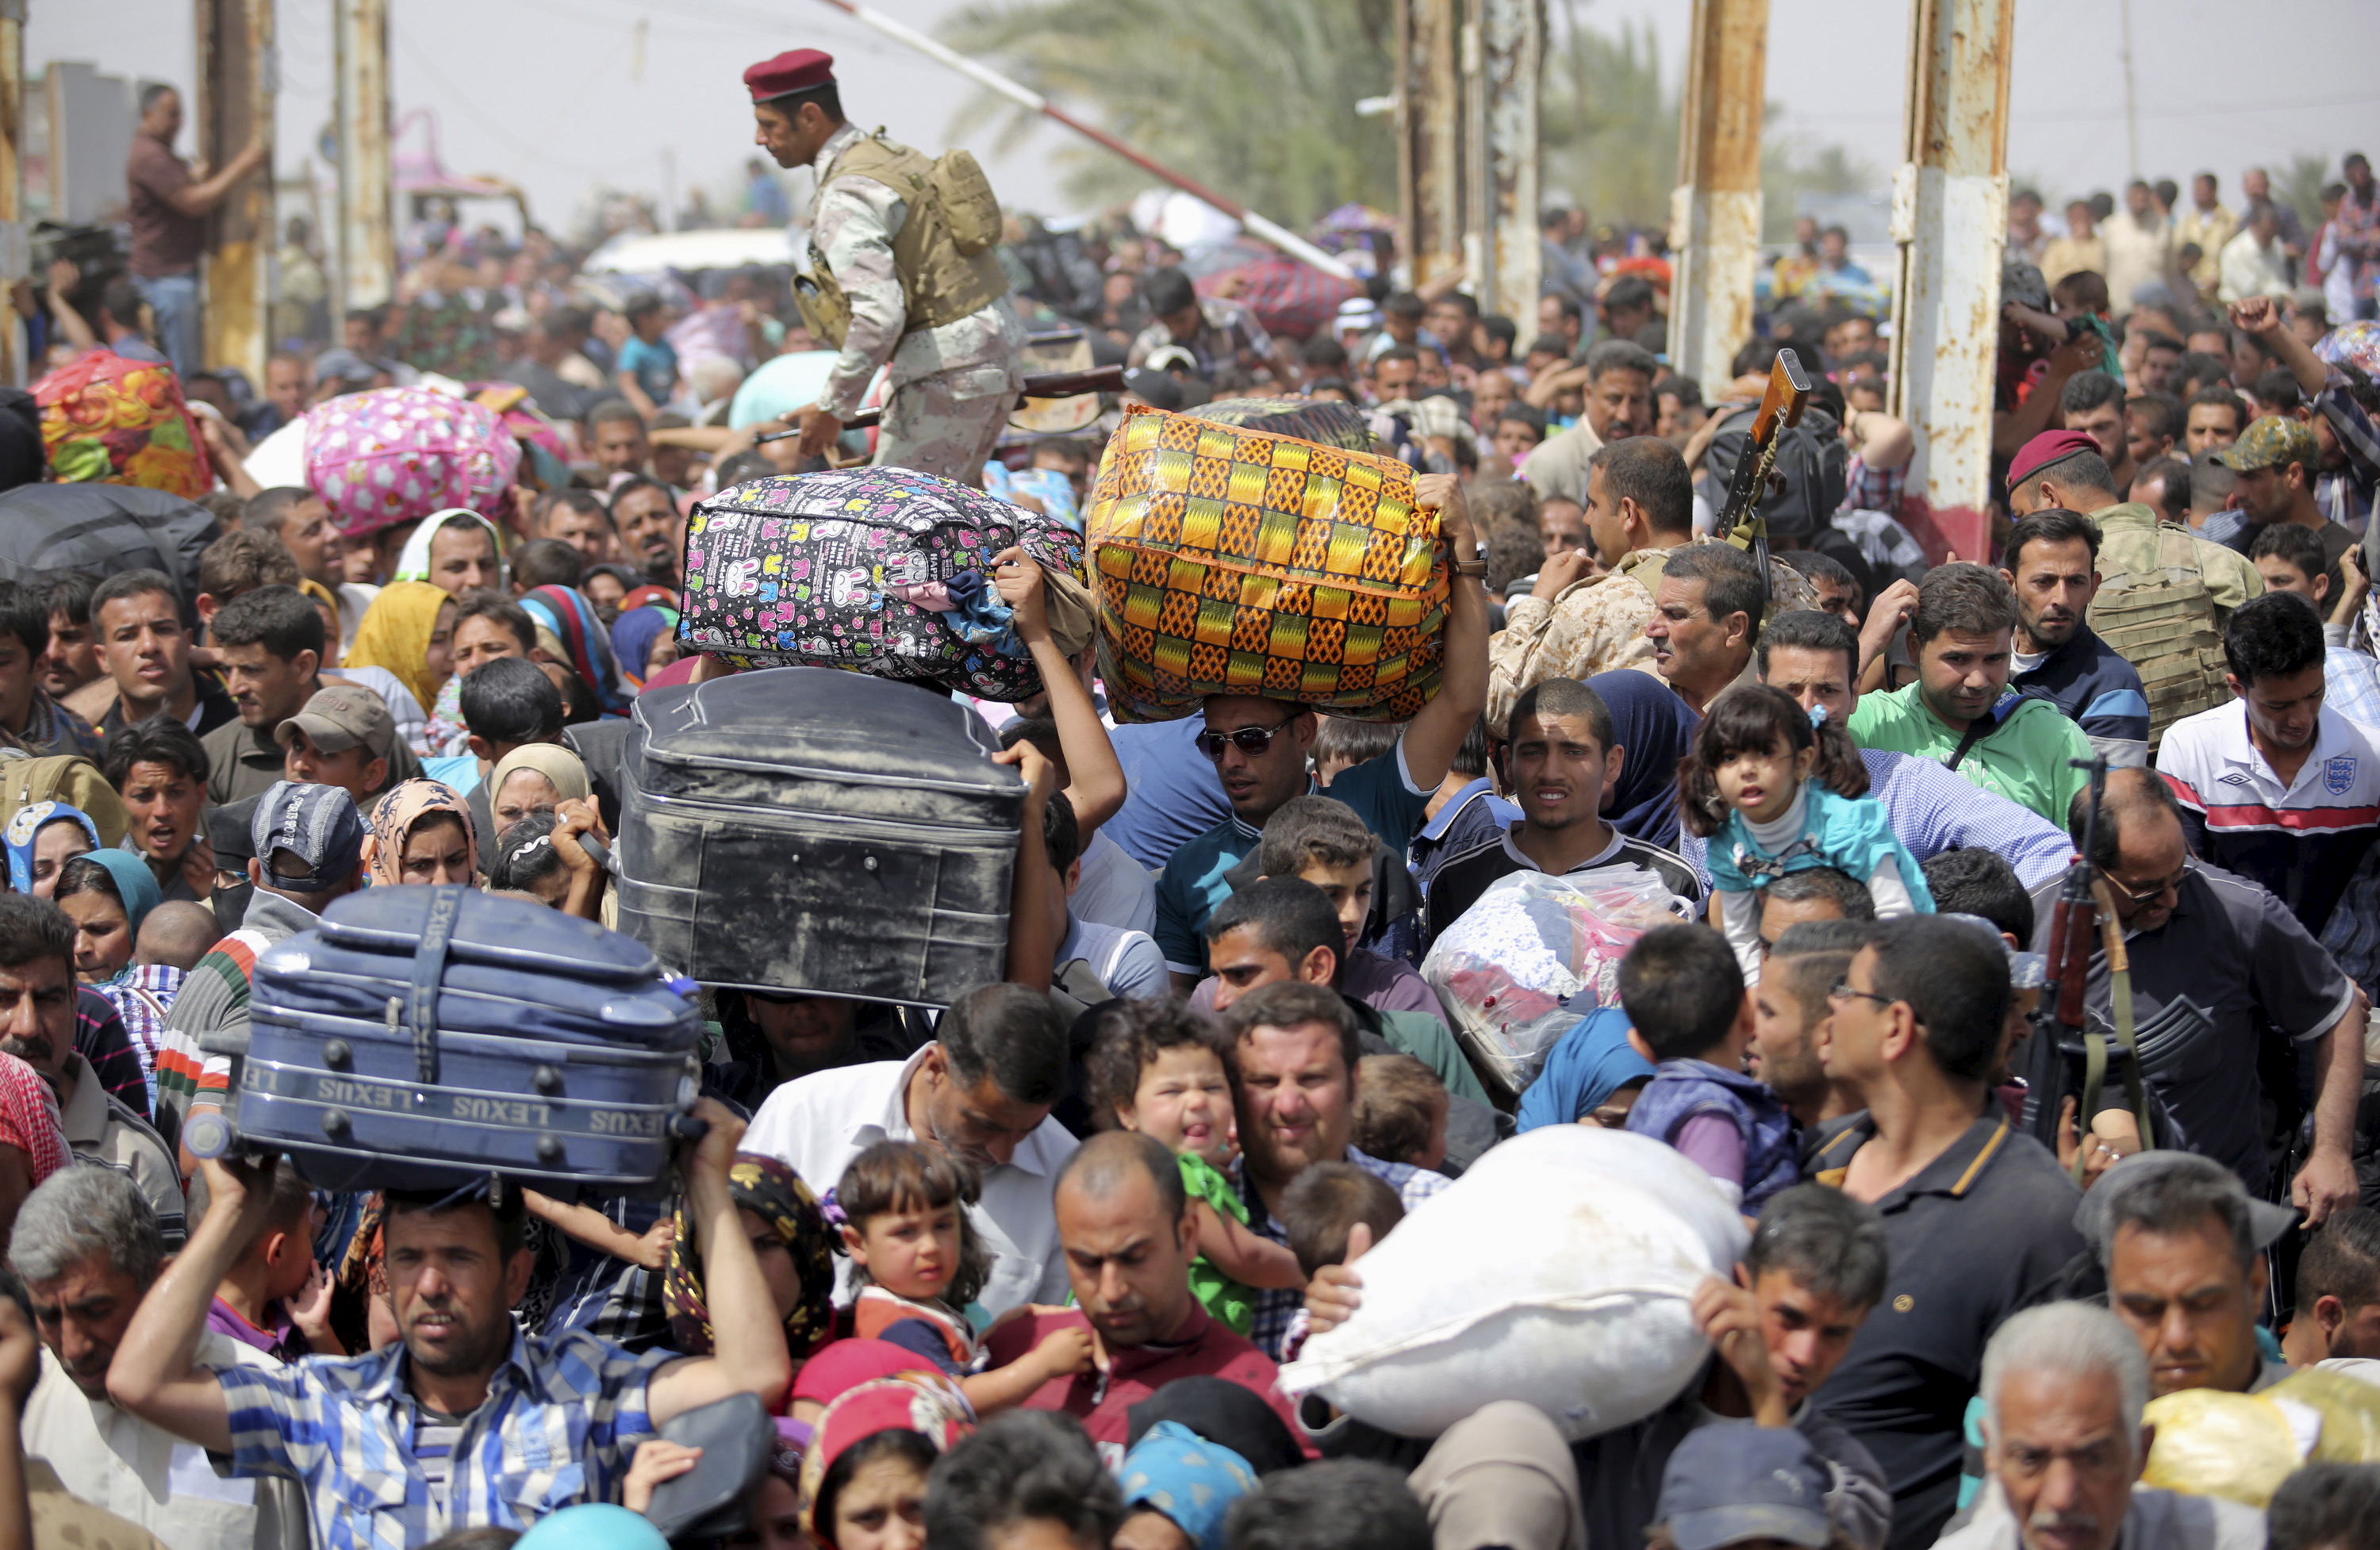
[2023, 757]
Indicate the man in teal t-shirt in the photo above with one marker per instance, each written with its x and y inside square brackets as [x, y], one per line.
[1961, 711]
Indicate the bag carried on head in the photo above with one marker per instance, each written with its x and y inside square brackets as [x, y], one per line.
[111, 420]
[1231, 560]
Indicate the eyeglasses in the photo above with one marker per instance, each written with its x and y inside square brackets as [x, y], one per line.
[1251, 741]
[1844, 989]
[2150, 894]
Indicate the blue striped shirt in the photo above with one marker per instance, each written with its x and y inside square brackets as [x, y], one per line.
[557, 1428]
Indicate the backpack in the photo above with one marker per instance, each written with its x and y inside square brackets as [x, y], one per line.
[2163, 622]
[1811, 459]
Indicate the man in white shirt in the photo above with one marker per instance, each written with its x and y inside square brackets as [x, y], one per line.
[87, 1244]
[982, 1091]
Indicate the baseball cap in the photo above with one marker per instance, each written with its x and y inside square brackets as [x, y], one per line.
[2021, 283]
[2050, 446]
[2095, 1217]
[2270, 442]
[339, 717]
[318, 825]
[1733, 1481]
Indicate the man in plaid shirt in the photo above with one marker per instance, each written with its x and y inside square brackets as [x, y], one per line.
[464, 1423]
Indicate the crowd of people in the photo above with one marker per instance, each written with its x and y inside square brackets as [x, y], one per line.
[1022, 1271]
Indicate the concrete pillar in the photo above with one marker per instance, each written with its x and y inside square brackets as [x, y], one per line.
[1503, 59]
[366, 239]
[235, 88]
[1715, 211]
[1949, 216]
[14, 261]
[1430, 134]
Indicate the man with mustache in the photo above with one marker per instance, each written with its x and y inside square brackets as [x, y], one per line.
[2052, 561]
[2063, 1388]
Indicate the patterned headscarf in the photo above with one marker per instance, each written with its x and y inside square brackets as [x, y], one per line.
[26, 827]
[1175, 1471]
[394, 818]
[775, 1194]
[926, 1403]
[585, 644]
[395, 633]
[29, 1118]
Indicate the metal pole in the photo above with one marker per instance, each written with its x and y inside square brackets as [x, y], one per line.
[14, 261]
[1715, 211]
[1430, 141]
[236, 92]
[1949, 215]
[1280, 237]
[2131, 103]
[367, 240]
[1511, 36]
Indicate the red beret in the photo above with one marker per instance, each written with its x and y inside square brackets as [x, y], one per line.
[796, 69]
[2050, 446]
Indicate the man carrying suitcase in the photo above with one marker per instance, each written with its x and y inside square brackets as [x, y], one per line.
[464, 1423]
[901, 273]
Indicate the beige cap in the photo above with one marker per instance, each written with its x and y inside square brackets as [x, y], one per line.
[339, 717]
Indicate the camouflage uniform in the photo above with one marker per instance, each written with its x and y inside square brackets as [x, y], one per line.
[1595, 627]
[954, 386]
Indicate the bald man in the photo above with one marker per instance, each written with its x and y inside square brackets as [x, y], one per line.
[177, 935]
[1124, 1223]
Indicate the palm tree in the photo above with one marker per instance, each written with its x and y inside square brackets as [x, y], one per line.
[1255, 98]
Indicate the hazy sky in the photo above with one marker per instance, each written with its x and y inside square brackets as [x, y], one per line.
[560, 95]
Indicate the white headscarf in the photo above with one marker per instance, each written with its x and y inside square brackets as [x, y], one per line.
[413, 565]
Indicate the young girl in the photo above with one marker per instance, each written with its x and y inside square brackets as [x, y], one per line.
[1778, 790]
[917, 1263]
[1158, 1069]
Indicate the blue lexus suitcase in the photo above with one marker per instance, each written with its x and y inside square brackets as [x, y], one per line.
[802, 828]
[422, 1036]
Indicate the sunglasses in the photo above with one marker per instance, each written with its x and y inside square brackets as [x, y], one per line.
[1251, 741]
[2151, 893]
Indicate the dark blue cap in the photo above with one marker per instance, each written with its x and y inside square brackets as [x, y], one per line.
[1733, 1481]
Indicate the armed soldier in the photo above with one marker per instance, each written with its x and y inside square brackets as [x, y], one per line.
[901, 272]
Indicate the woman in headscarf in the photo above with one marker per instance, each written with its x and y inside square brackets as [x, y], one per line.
[1178, 1489]
[644, 640]
[793, 1243]
[534, 777]
[407, 632]
[1592, 1076]
[1653, 725]
[32, 1138]
[1502, 1477]
[420, 832]
[107, 894]
[866, 1466]
[586, 645]
[44, 838]
[455, 549]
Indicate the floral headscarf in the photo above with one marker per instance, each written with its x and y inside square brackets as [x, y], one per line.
[26, 827]
[29, 1118]
[926, 1403]
[775, 1194]
[394, 818]
[395, 633]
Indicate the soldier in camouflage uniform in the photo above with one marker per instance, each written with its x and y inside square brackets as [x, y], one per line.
[888, 284]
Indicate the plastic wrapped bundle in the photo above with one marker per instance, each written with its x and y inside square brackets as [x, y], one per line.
[1231, 558]
[107, 419]
[2241, 1447]
[1518, 968]
[1560, 1270]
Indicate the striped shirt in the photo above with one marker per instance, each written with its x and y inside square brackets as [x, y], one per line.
[2302, 837]
[214, 999]
[559, 1425]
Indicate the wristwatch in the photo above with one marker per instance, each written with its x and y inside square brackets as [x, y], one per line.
[1469, 567]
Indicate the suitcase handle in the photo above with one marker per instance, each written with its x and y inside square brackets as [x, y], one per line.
[429, 968]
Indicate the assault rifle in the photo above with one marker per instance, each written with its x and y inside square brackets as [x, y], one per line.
[1740, 519]
[2086, 909]
[1049, 384]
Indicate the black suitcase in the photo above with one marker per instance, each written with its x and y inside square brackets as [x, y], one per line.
[422, 1036]
[803, 829]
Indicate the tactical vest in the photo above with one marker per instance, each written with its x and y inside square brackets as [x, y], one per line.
[942, 254]
[1788, 589]
[2163, 622]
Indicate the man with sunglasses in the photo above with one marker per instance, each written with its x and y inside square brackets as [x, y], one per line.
[2219, 966]
[1978, 1214]
[1259, 749]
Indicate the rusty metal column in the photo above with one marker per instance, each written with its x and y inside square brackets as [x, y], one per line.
[1715, 211]
[1503, 57]
[366, 248]
[235, 89]
[1429, 137]
[1949, 215]
[15, 260]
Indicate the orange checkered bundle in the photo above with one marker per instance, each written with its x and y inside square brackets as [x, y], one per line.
[1229, 561]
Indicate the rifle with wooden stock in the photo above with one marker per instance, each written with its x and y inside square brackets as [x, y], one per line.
[1781, 408]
